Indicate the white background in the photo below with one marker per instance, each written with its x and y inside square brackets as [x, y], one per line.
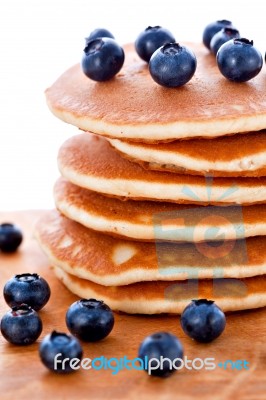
[39, 39]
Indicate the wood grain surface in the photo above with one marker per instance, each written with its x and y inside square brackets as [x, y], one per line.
[22, 375]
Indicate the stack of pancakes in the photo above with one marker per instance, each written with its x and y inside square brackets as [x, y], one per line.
[163, 198]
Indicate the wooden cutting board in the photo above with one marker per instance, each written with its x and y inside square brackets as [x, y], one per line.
[22, 375]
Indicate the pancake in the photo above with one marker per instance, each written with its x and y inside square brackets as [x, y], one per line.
[237, 155]
[133, 106]
[149, 220]
[165, 297]
[89, 161]
[109, 261]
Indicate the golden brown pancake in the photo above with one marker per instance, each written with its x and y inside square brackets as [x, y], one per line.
[133, 106]
[171, 297]
[89, 161]
[150, 220]
[237, 155]
[108, 261]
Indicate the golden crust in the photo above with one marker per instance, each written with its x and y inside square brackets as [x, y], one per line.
[109, 261]
[209, 151]
[171, 297]
[136, 219]
[85, 157]
[133, 106]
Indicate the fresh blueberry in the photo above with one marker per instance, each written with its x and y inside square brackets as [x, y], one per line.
[222, 37]
[212, 29]
[161, 345]
[102, 59]
[90, 320]
[99, 33]
[151, 39]
[203, 320]
[238, 60]
[172, 65]
[27, 288]
[10, 237]
[21, 325]
[60, 352]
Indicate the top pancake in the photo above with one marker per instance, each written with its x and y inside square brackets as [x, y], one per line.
[133, 106]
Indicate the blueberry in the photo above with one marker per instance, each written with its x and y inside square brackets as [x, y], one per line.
[172, 65]
[99, 33]
[90, 320]
[203, 320]
[222, 37]
[161, 345]
[10, 237]
[60, 352]
[21, 325]
[151, 39]
[27, 288]
[102, 59]
[212, 29]
[238, 60]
